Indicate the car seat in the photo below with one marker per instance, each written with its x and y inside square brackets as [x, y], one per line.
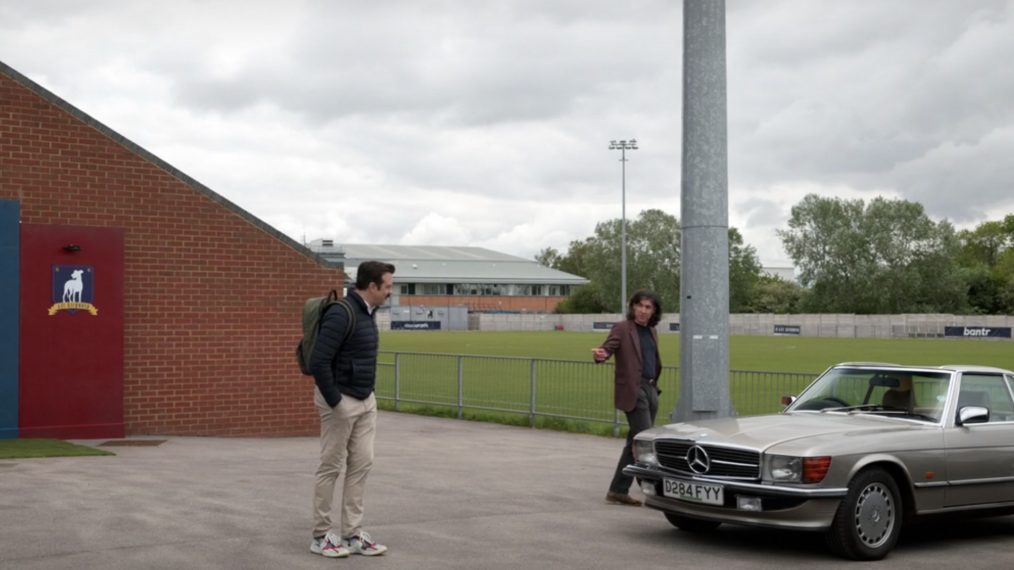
[899, 398]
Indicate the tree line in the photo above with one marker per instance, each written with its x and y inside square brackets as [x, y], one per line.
[885, 256]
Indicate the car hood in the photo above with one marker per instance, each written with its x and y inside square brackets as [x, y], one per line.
[764, 432]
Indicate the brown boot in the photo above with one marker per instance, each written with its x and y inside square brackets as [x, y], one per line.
[622, 499]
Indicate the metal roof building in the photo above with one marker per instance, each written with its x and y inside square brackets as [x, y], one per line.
[479, 278]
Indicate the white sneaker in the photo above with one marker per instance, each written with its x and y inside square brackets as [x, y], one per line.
[364, 545]
[329, 546]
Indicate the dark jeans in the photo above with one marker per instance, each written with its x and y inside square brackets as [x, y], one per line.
[639, 419]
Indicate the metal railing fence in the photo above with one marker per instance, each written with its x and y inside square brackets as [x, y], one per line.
[561, 389]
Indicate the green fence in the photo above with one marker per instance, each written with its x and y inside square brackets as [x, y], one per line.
[542, 388]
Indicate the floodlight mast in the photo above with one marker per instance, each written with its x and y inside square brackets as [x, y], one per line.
[623, 146]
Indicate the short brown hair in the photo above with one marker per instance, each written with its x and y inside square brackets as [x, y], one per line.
[372, 272]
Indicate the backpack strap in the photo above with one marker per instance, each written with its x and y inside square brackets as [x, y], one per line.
[351, 324]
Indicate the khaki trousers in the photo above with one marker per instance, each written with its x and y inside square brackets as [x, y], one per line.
[346, 443]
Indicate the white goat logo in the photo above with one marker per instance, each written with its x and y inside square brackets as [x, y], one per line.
[73, 287]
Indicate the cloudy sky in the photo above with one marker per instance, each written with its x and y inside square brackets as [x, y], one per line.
[487, 123]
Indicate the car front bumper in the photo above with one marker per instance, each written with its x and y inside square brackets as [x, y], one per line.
[782, 506]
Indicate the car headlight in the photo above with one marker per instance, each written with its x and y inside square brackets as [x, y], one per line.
[644, 451]
[786, 468]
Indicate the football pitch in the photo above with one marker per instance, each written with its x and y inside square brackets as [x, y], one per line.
[768, 353]
[547, 379]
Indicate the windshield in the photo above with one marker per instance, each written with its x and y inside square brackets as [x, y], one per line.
[903, 393]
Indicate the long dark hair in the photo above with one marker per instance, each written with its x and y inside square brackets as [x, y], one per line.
[640, 296]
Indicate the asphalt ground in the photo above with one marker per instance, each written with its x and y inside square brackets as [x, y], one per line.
[442, 494]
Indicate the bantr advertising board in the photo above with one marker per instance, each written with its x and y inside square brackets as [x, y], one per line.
[415, 325]
[978, 332]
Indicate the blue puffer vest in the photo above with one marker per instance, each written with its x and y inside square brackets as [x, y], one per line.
[353, 366]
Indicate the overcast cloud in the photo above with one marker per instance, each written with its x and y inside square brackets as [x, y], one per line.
[488, 123]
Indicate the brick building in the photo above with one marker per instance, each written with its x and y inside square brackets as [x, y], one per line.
[191, 333]
[479, 279]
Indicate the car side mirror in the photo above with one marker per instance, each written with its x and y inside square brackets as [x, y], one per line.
[788, 399]
[972, 415]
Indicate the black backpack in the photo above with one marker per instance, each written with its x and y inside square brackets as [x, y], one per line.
[313, 311]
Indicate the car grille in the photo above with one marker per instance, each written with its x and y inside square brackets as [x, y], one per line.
[722, 461]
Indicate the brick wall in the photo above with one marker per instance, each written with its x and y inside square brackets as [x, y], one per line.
[212, 295]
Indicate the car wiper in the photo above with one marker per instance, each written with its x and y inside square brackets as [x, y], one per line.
[906, 413]
[853, 408]
[878, 408]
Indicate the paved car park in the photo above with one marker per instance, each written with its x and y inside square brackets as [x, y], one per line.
[443, 494]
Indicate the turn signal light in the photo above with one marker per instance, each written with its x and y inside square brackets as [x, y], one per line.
[815, 469]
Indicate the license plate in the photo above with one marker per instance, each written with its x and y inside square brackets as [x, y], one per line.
[685, 490]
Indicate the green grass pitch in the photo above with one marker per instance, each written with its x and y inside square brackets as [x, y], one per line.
[774, 353]
[571, 393]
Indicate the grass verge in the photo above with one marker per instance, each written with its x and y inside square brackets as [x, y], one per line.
[506, 418]
[34, 448]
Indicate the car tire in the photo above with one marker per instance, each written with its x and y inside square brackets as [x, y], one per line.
[690, 524]
[869, 518]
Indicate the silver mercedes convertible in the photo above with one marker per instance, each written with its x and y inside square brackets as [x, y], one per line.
[861, 450]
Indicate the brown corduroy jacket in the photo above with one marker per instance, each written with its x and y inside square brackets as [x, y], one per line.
[624, 342]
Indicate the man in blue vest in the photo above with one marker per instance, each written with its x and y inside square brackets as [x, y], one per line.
[345, 371]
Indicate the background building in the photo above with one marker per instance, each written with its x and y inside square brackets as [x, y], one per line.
[124, 307]
[480, 279]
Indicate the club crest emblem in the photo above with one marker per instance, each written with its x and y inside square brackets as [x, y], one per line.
[73, 289]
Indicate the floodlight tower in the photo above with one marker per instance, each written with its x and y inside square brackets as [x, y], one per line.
[623, 147]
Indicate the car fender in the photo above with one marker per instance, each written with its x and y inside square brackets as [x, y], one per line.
[894, 466]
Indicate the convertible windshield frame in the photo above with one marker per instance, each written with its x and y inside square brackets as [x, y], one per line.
[913, 394]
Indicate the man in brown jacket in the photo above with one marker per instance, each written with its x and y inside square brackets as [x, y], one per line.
[638, 365]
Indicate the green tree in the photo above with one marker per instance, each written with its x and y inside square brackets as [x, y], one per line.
[585, 299]
[884, 257]
[653, 262]
[549, 257]
[987, 260]
[653, 257]
[744, 272]
[773, 294]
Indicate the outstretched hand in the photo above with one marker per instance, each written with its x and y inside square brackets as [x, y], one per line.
[599, 354]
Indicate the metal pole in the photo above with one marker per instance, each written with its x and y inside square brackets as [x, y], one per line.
[397, 382]
[461, 387]
[623, 231]
[704, 206]
[623, 146]
[531, 402]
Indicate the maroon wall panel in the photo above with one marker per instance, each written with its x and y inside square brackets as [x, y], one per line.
[71, 379]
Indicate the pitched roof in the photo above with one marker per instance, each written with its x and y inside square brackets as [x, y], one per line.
[447, 264]
[148, 156]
